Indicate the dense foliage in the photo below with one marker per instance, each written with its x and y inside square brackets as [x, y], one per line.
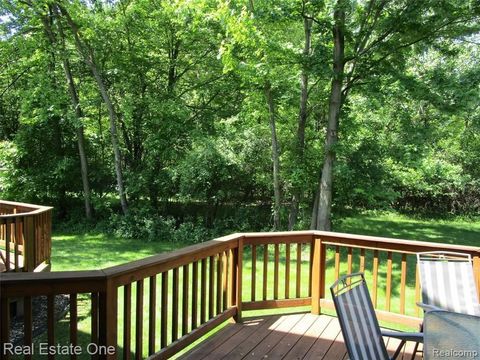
[166, 114]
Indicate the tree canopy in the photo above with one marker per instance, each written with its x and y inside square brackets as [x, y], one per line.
[309, 107]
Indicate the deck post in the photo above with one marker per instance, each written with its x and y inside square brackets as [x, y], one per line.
[108, 308]
[238, 285]
[318, 274]
[476, 271]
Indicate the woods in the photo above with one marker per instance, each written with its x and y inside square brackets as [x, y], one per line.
[149, 110]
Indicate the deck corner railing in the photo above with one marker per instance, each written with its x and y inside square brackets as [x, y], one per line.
[25, 236]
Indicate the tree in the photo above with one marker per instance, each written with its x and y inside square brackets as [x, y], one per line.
[87, 53]
[380, 34]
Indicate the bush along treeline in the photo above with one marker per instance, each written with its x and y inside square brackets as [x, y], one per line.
[262, 114]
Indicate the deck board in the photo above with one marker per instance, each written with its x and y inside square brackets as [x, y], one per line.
[308, 339]
[290, 339]
[286, 337]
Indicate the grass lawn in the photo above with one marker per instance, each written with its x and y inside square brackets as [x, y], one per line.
[73, 251]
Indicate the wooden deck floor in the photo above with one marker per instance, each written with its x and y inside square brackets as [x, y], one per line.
[291, 336]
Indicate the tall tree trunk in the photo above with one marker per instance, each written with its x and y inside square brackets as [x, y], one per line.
[79, 126]
[275, 157]
[302, 120]
[335, 106]
[313, 219]
[87, 54]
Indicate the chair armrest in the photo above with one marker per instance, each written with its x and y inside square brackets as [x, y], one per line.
[427, 307]
[407, 336]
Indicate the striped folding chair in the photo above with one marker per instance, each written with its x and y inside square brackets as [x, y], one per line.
[359, 323]
[448, 282]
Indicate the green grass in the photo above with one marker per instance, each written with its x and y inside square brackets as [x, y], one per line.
[89, 251]
[73, 251]
[456, 231]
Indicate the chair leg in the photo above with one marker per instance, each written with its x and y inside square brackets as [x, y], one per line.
[399, 349]
[415, 349]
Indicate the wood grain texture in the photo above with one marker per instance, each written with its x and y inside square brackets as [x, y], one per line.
[139, 321]
[403, 283]
[152, 314]
[375, 278]
[127, 321]
[164, 311]
[254, 273]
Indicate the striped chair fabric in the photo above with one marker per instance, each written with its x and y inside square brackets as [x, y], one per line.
[448, 282]
[359, 324]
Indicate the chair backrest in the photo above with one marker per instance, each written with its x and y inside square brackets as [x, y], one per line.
[448, 281]
[357, 317]
[450, 335]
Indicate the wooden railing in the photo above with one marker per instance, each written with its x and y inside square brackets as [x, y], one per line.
[25, 236]
[157, 306]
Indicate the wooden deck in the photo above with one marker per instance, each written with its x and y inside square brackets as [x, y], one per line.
[291, 336]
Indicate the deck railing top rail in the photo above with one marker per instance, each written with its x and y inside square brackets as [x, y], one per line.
[195, 252]
[22, 209]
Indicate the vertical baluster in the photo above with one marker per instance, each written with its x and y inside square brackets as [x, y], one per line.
[28, 322]
[94, 320]
[298, 286]
[16, 245]
[362, 260]
[287, 271]
[349, 262]
[337, 262]
[127, 320]
[211, 288]
[9, 241]
[403, 283]
[231, 281]
[417, 291]
[375, 278]
[73, 322]
[185, 296]
[254, 271]
[164, 311]
[389, 282]
[203, 292]
[51, 323]
[19, 240]
[139, 322]
[224, 280]
[275, 271]
[219, 284]
[175, 305]
[265, 271]
[7, 244]
[194, 294]
[152, 314]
